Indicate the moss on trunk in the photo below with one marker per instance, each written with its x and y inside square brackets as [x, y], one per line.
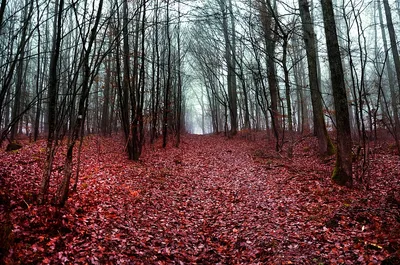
[340, 177]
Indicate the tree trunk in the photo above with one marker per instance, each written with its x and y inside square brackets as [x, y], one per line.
[393, 42]
[126, 87]
[2, 10]
[178, 119]
[230, 61]
[302, 111]
[342, 173]
[105, 120]
[63, 189]
[155, 88]
[52, 99]
[396, 59]
[168, 81]
[287, 95]
[270, 43]
[324, 143]
[20, 82]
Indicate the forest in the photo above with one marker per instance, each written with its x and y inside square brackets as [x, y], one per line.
[199, 132]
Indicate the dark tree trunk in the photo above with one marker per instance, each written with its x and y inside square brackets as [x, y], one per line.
[178, 118]
[63, 189]
[52, 99]
[390, 75]
[230, 63]
[20, 82]
[287, 95]
[126, 86]
[155, 88]
[269, 28]
[342, 173]
[393, 42]
[396, 59]
[167, 84]
[324, 143]
[105, 120]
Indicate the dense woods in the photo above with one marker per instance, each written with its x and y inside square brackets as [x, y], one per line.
[154, 71]
[160, 68]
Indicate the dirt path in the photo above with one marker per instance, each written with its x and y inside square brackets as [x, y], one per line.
[212, 201]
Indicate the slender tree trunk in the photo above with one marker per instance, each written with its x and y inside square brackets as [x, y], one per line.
[247, 123]
[52, 99]
[126, 86]
[134, 145]
[354, 82]
[393, 41]
[270, 43]
[78, 166]
[179, 84]
[233, 87]
[63, 190]
[302, 111]
[287, 95]
[20, 81]
[324, 142]
[389, 69]
[141, 87]
[168, 81]
[105, 120]
[41, 65]
[230, 61]
[396, 59]
[318, 61]
[155, 88]
[8, 79]
[2, 10]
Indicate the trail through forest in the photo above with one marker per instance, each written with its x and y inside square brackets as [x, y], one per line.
[211, 201]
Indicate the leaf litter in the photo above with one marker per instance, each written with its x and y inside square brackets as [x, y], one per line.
[211, 201]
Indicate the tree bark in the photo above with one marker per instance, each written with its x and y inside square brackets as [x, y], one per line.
[63, 190]
[178, 118]
[168, 80]
[270, 42]
[396, 59]
[155, 87]
[393, 42]
[324, 143]
[20, 82]
[342, 173]
[2, 10]
[230, 61]
[52, 105]
[126, 84]
[105, 120]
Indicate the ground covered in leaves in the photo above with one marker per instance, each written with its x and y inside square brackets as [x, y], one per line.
[211, 201]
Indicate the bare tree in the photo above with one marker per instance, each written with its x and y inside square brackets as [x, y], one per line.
[52, 105]
[342, 173]
[230, 57]
[396, 59]
[88, 73]
[168, 79]
[20, 82]
[324, 143]
[266, 10]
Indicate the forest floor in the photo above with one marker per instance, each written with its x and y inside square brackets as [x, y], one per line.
[212, 201]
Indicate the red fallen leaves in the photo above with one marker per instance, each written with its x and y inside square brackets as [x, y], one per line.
[211, 201]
